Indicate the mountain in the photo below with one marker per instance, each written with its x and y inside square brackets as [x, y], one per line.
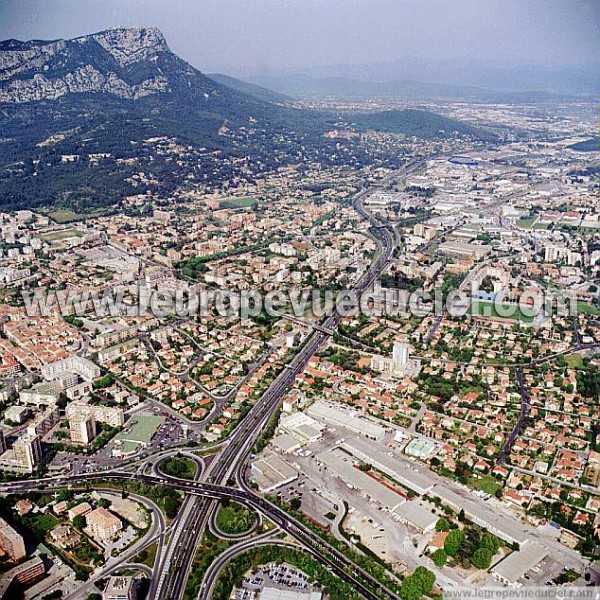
[251, 89]
[582, 80]
[343, 88]
[89, 121]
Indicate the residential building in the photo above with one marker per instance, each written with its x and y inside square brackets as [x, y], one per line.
[82, 428]
[11, 542]
[27, 452]
[102, 524]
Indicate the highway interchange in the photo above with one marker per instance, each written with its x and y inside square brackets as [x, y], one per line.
[224, 476]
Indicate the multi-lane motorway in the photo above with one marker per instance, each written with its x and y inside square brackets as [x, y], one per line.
[180, 553]
[175, 559]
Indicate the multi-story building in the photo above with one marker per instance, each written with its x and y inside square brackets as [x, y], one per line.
[102, 524]
[11, 542]
[24, 574]
[120, 588]
[44, 422]
[111, 415]
[9, 367]
[82, 428]
[85, 368]
[27, 452]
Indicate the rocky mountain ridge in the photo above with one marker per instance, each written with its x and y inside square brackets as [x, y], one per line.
[124, 62]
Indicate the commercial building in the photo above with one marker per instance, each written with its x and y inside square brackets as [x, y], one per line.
[342, 416]
[421, 448]
[303, 427]
[140, 430]
[120, 588]
[272, 593]
[11, 542]
[102, 524]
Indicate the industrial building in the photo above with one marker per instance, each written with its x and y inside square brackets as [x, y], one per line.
[339, 415]
[411, 512]
[270, 473]
[391, 466]
[513, 568]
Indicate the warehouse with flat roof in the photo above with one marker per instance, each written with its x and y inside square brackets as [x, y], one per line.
[513, 568]
[343, 416]
[387, 463]
[270, 473]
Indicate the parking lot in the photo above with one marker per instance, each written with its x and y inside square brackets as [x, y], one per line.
[273, 577]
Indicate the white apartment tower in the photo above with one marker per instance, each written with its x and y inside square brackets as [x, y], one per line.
[27, 452]
[400, 355]
[82, 428]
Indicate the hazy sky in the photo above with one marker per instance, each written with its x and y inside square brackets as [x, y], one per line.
[230, 35]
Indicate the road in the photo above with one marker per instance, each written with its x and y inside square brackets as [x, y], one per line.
[174, 562]
[181, 551]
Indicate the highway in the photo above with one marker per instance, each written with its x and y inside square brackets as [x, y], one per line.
[175, 559]
[180, 553]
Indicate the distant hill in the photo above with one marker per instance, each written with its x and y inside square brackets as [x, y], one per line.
[88, 121]
[419, 123]
[249, 88]
[517, 76]
[343, 88]
[591, 145]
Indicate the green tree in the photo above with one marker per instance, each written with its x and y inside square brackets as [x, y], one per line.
[453, 541]
[439, 557]
[411, 590]
[482, 558]
[442, 525]
[79, 522]
[171, 507]
[425, 578]
[490, 542]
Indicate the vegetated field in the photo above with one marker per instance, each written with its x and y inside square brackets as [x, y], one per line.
[41, 523]
[184, 468]
[147, 556]
[526, 223]
[584, 308]
[485, 308]
[65, 216]
[234, 518]
[55, 236]
[238, 202]
[485, 483]
[574, 361]
[541, 226]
